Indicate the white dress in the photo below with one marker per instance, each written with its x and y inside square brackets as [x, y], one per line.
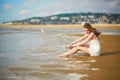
[94, 47]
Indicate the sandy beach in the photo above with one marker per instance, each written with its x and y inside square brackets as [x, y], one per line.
[108, 61]
[28, 53]
[101, 26]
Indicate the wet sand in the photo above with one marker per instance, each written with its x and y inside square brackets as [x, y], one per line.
[31, 55]
[108, 64]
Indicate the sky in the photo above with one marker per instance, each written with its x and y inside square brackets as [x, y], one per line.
[22, 9]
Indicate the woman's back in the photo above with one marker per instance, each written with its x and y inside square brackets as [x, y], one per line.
[94, 45]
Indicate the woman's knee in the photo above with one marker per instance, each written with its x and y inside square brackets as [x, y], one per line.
[80, 47]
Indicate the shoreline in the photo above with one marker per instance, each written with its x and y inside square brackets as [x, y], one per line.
[99, 26]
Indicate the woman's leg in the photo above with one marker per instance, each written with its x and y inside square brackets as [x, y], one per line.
[75, 50]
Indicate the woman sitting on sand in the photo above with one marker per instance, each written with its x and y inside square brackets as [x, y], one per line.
[89, 43]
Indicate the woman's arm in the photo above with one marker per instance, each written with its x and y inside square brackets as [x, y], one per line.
[85, 41]
[80, 39]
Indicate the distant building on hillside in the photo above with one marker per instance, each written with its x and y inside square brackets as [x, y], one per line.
[65, 18]
[91, 16]
[54, 18]
[35, 20]
[103, 19]
[8, 22]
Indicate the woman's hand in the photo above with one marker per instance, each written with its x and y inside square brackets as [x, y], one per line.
[70, 46]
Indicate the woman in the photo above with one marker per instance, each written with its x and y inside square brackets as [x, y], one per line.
[88, 44]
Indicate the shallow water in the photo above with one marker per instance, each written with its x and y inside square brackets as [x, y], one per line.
[30, 54]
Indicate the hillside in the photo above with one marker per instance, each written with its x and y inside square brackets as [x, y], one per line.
[71, 18]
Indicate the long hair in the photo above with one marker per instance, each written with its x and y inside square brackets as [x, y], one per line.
[91, 29]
